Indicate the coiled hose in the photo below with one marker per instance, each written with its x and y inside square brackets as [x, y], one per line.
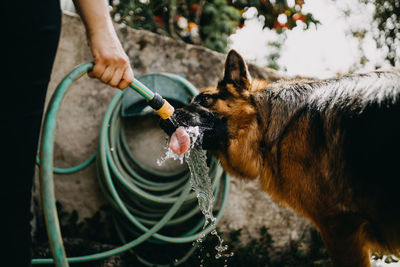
[147, 199]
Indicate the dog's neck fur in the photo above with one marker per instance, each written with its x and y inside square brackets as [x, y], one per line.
[268, 104]
[275, 105]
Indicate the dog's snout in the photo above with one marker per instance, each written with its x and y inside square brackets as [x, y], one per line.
[186, 117]
[168, 126]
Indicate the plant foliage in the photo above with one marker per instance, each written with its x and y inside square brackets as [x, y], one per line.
[208, 22]
[387, 22]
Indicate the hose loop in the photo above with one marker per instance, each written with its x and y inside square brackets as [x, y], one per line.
[146, 202]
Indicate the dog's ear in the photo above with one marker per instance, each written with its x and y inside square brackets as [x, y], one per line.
[236, 71]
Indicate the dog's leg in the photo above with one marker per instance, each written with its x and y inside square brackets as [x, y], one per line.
[344, 239]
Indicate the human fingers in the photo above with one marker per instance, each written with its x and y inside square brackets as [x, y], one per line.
[107, 75]
[116, 77]
[127, 78]
[97, 70]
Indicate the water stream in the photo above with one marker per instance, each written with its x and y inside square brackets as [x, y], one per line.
[196, 159]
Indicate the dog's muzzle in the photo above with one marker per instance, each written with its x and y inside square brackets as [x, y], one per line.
[168, 126]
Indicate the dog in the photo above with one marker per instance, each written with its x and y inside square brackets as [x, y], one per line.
[328, 149]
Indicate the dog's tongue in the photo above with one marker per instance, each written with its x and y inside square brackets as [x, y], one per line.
[179, 141]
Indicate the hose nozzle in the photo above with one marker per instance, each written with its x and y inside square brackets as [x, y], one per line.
[159, 104]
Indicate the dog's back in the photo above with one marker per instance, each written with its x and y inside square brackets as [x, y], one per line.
[366, 112]
[334, 154]
[357, 120]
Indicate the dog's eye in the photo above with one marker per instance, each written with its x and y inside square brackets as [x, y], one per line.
[205, 100]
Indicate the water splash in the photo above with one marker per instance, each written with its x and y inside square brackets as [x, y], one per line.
[196, 159]
[170, 155]
[195, 138]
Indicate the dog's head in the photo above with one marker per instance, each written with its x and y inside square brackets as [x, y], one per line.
[221, 112]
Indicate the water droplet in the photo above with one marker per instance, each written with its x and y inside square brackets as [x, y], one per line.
[111, 149]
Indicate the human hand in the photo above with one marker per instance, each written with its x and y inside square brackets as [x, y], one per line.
[111, 64]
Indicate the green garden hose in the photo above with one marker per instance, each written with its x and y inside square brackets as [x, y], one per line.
[142, 199]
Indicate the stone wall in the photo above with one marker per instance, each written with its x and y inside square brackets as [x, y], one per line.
[82, 112]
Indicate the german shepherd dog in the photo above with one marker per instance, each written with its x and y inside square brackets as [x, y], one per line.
[328, 149]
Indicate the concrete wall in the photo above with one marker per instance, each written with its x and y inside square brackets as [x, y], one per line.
[82, 112]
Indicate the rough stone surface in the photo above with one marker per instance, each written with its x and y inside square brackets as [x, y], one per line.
[80, 118]
[249, 208]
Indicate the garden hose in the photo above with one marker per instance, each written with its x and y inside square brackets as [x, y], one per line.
[140, 197]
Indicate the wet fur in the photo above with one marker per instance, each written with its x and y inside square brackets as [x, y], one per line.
[328, 149]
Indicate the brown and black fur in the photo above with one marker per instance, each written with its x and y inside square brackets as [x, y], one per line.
[328, 149]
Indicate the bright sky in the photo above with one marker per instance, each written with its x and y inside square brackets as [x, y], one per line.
[320, 52]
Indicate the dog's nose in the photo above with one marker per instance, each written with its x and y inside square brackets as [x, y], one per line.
[168, 126]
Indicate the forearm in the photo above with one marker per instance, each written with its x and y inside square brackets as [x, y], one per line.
[95, 15]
